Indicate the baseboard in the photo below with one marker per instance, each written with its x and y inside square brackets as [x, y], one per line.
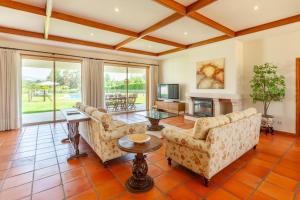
[285, 133]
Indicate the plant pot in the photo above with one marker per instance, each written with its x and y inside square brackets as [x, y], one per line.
[267, 121]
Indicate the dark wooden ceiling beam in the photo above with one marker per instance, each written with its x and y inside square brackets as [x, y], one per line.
[163, 41]
[191, 11]
[262, 27]
[69, 40]
[173, 5]
[198, 5]
[209, 41]
[205, 20]
[170, 51]
[151, 29]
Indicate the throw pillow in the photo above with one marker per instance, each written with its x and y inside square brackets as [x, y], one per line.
[104, 118]
[250, 111]
[235, 116]
[204, 124]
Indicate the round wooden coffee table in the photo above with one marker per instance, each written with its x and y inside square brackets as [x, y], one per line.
[139, 181]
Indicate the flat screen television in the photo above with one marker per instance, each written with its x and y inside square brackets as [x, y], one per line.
[169, 92]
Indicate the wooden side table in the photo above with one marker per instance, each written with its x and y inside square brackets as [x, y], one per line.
[73, 132]
[139, 181]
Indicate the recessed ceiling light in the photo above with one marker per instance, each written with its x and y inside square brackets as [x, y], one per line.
[256, 7]
[185, 33]
[91, 34]
[116, 9]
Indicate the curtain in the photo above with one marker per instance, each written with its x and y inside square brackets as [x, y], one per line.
[10, 82]
[92, 83]
[153, 84]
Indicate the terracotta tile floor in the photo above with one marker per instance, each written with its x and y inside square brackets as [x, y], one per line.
[34, 166]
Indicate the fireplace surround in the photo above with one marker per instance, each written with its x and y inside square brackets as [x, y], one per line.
[211, 104]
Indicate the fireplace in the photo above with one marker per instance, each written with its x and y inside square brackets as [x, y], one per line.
[203, 107]
[212, 104]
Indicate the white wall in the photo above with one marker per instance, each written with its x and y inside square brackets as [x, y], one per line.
[281, 49]
[181, 68]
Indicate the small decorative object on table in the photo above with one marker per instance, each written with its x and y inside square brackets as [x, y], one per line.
[139, 181]
[139, 138]
[266, 87]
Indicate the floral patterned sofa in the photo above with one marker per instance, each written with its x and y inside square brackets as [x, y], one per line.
[102, 132]
[214, 142]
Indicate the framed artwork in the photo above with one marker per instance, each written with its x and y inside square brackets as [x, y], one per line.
[210, 74]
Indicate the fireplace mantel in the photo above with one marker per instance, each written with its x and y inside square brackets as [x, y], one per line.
[234, 100]
[215, 96]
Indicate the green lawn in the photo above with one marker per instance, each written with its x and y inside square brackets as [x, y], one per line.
[38, 105]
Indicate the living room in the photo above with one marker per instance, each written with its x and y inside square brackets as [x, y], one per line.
[142, 99]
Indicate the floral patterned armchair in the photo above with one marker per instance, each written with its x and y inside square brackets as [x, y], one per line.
[214, 142]
[102, 132]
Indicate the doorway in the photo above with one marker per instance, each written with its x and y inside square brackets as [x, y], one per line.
[48, 85]
[126, 88]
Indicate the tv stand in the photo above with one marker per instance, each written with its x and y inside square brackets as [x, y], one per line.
[171, 107]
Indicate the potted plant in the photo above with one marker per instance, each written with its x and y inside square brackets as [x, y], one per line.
[267, 86]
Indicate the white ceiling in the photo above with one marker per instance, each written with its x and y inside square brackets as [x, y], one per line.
[39, 3]
[76, 31]
[195, 31]
[135, 15]
[148, 46]
[21, 20]
[240, 14]
[186, 2]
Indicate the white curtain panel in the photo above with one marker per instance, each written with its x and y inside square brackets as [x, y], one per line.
[92, 83]
[10, 82]
[153, 84]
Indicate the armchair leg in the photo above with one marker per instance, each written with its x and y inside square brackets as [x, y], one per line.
[254, 148]
[206, 182]
[169, 161]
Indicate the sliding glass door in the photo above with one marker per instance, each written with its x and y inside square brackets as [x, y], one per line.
[68, 85]
[48, 86]
[125, 88]
[137, 88]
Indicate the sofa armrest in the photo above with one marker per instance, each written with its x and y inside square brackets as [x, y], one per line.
[184, 139]
[123, 130]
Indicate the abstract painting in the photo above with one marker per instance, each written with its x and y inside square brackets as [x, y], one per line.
[210, 74]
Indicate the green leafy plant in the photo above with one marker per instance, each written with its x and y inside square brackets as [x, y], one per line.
[267, 85]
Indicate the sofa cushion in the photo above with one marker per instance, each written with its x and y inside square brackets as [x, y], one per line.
[78, 104]
[102, 110]
[89, 110]
[104, 118]
[82, 107]
[248, 112]
[235, 116]
[204, 124]
[115, 124]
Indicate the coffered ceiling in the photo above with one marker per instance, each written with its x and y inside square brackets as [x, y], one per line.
[147, 27]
